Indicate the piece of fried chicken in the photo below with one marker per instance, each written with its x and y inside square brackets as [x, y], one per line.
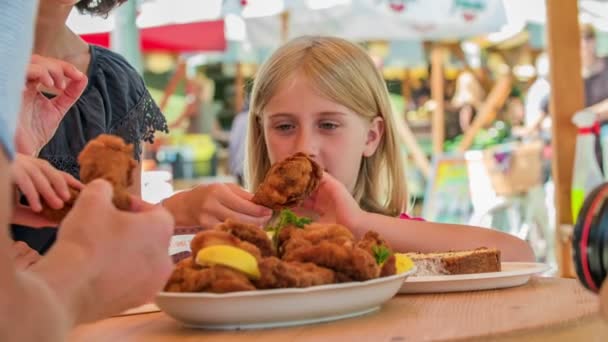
[109, 157]
[291, 237]
[190, 277]
[276, 273]
[248, 233]
[372, 240]
[331, 246]
[350, 262]
[289, 182]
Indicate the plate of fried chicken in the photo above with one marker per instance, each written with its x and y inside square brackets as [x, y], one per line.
[314, 273]
[293, 272]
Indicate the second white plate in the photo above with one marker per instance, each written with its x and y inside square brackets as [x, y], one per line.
[512, 274]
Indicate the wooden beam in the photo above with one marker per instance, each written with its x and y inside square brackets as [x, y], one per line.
[284, 27]
[567, 97]
[406, 89]
[495, 100]
[437, 94]
[178, 76]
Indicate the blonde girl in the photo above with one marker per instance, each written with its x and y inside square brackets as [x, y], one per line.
[324, 96]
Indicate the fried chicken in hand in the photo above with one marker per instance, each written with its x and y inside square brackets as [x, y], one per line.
[289, 182]
[110, 158]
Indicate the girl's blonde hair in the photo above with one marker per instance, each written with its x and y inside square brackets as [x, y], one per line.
[344, 73]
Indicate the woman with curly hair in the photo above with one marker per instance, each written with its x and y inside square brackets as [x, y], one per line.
[115, 101]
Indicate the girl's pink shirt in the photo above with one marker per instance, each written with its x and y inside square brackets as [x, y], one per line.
[407, 217]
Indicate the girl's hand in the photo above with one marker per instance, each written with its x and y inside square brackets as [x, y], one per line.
[37, 179]
[208, 205]
[40, 116]
[334, 204]
[23, 256]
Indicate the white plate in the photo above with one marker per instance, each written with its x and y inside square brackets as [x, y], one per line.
[281, 307]
[512, 274]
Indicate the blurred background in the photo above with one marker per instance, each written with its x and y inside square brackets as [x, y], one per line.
[469, 80]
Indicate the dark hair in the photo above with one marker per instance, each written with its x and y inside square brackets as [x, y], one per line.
[98, 7]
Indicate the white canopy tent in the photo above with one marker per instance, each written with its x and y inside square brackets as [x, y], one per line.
[259, 21]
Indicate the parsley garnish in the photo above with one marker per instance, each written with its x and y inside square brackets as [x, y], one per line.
[381, 254]
[286, 218]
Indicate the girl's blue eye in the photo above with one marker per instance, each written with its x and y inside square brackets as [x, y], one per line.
[328, 125]
[283, 127]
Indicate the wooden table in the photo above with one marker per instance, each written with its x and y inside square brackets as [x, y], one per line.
[552, 309]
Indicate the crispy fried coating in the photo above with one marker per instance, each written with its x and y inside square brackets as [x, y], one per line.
[390, 267]
[110, 158]
[331, 246]
[372, 239]
[276, 273]
[289, 182]
[248, 233]
[214, 237]
[291, 238]
[190, 277]
[107, 157]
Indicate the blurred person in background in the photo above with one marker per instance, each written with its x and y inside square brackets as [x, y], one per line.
[537, 122]
[236, 143]
[468, 97]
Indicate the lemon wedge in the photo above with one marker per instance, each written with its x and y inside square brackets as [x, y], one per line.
[229, 256]
[403, 263]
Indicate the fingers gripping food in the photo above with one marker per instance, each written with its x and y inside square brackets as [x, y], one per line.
[107, 157]
[56, 215]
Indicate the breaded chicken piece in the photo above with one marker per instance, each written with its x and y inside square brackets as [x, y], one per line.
[353, 262]
[276, 273]
[292, 237]
[372, 240]
[110, 158]
[107, 157]
[214, 237]
[289, 182]
[390, 267]
[249, 233]
[190, 277]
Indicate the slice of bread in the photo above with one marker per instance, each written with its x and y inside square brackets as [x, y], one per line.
[478, 260]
